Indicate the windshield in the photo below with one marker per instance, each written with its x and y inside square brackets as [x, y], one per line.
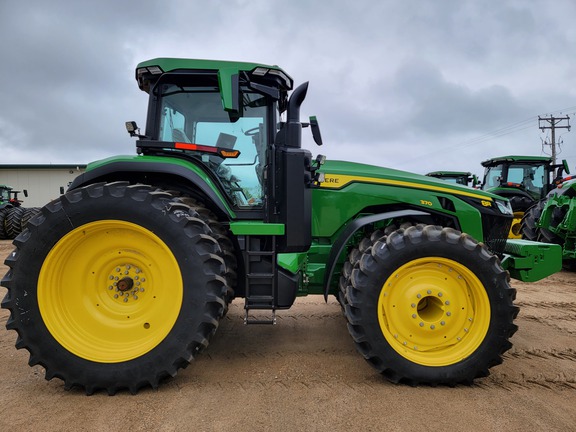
[5, 194]
[195, 115]
[530, 177]
[492, 176]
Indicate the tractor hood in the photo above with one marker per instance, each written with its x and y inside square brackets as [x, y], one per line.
[339, 174]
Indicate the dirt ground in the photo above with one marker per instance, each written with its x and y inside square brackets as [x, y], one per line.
[304, 374]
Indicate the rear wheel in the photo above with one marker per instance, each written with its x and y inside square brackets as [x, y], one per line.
[530, 230]
[3, 213]
[28, 214]
[114, 286]
[13, 222]
[430, 305]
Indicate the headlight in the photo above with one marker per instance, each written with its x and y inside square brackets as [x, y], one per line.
[504, 207]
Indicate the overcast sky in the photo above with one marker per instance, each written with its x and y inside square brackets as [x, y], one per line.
[418, 85]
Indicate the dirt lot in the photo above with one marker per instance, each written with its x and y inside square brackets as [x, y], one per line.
[304, 375]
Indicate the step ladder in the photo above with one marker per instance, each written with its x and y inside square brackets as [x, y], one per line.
[260, 279]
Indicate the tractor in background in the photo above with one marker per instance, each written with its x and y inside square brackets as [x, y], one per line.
[124, 279]
[13, 216]
[523, 180]
[553, 220]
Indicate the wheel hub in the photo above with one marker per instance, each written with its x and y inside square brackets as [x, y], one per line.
[428, 307]
[126, 283]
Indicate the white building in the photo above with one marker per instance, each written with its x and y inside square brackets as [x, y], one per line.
[43, 182]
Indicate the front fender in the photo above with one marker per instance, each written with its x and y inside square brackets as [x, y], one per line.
[350, 230]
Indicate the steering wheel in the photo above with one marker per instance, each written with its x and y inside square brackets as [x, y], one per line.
[252, 131]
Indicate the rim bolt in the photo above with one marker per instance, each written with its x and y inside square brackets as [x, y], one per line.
[458, 338]
[413, 305]
[135, 297]
[440, 294]
[405, 343]
[396, 336]
[447, 302]
[128, 266]
[115, 295]
[111, 277]
[429, 292]
[143, 280]
[470, 319]
[421, 324]
[466, 330]
[118, 269]
[110, 287]
[442, 322]
[413, 315]
[448, 313]
[125, 299]
[418, 295]
[432, 326]
[141, 289]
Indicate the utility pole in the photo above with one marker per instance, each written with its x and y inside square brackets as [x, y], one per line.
[553, 124]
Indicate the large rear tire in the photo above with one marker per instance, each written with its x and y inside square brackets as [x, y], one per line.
[114, 287]
[530, 230]
[430, 305]
[13, 222]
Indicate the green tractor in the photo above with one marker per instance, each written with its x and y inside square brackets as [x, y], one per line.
[553, 220]
[13, 217]
[523, 180]
[458, 177]
[123, 280]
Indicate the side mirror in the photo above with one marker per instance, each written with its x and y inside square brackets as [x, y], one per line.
[315, 130]
[566, 167]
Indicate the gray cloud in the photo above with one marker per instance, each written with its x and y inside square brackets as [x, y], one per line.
[409, 84]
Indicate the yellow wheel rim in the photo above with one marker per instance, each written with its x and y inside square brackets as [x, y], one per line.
[516, 227]
[110, 291]
[434, 311]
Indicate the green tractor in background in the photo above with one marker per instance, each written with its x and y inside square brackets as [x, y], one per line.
[13, 216]
[124, 279]
[553, 220]
[523, 180]
[458, 177]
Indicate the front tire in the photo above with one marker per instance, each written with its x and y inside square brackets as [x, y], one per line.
[430, 305]
[114, 287]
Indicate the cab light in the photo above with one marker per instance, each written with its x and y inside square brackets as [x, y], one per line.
[229, 153]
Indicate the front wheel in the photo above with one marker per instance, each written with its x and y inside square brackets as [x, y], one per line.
[430, 305]
[114, 286]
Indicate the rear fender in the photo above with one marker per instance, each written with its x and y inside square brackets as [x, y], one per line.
[173, 175]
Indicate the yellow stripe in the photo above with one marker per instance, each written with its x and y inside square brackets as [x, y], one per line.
[336, 181]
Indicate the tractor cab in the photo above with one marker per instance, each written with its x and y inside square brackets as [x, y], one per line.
[523, 180]
[526, 177]
[236, 125]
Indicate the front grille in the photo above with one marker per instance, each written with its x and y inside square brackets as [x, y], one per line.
[496, 229]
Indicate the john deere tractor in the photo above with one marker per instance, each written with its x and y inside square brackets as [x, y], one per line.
[553, 220]
[458, 177]
[123, 280]
[523, 180]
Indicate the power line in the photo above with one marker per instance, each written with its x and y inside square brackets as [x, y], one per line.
[554, 123]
